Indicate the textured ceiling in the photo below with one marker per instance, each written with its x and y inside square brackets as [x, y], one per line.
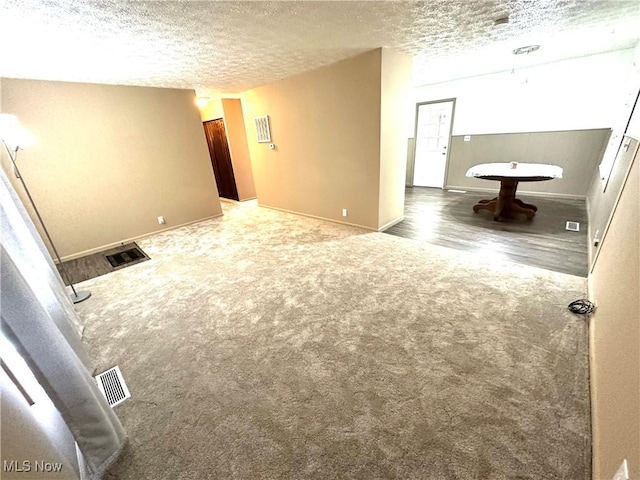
[233, 46]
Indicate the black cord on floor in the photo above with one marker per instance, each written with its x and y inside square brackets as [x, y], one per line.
[582, 306]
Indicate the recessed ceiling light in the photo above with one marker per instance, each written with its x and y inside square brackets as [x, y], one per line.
[527, 49]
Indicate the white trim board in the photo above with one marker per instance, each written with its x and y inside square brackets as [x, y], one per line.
[318, 217]
[130, 240]
[390, 224]
[520, 192]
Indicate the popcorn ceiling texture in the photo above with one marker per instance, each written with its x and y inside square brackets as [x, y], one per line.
[235, 46]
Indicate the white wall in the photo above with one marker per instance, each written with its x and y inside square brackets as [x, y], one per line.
[633, 129]
[634, 124]
[575, 94]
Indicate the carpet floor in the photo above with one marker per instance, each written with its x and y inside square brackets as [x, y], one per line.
[285, 347]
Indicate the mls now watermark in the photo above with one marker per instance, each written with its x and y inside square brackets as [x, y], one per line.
[29, 466]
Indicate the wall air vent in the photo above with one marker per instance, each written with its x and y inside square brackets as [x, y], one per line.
[263, 133]
[111, 384]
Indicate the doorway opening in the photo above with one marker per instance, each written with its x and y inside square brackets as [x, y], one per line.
[221, 158]
[432, 139]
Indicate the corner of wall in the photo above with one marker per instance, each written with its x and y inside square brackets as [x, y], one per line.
[614, 334]
[238, 147]
[325, 125]
[395, 117]
[212, 111]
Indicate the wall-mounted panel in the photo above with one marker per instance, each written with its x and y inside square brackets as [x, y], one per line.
[577, 152]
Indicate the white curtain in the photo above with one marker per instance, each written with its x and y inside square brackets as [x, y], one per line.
[38, 318]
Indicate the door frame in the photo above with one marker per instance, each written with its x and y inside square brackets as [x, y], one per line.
[230, 191]
[415, 140]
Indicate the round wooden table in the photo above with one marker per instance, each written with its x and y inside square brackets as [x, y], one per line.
[506, 205]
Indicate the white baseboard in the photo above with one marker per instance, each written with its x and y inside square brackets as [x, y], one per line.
[129, 240]
[390, 224]
[520, 192]
[317, 217]
[231, 200]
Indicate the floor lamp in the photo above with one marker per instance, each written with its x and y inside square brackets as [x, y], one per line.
[77, 297]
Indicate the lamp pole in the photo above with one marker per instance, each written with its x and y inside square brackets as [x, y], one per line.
[77, 297]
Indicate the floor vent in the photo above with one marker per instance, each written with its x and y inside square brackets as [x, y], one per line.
[122, 258]
[111, 384]
[573, 226]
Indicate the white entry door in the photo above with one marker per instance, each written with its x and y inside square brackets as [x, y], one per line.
[433, 126]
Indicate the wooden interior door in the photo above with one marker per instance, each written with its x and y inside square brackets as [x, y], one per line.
[221, 158]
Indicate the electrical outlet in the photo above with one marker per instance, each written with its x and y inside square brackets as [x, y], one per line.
[623, 471]
[344, 212]
[161, 220]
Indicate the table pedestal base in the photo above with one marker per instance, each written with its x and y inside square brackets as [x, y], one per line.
[506, 205]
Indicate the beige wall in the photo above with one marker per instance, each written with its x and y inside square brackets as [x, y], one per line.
[238, 147]
[212, 111]
[331, 152]
[326, 128]
[578, 152]
[394, 129]
[110, 159]
[615, 338]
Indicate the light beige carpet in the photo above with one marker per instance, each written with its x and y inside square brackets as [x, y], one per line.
[265, 345]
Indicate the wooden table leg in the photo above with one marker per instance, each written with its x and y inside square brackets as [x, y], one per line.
[530, 206]
[506, 205]
[485, 205]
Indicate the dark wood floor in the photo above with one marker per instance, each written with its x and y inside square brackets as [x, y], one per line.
[96, 264]
[447, 219]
